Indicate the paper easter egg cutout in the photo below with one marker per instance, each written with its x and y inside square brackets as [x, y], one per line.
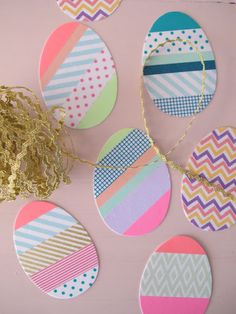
[214, 158]
[77, 72]
[173, 76]
[135, 201]
[55, 250]
[87, 10]
[176, 279]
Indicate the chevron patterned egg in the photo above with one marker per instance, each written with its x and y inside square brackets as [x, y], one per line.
[131, 201]
[87, 10]
[173, 76]
[176, 279]
[77, 72]
[214, 158]
[55, 251]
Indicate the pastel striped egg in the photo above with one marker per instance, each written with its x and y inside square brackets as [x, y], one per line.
[214, 159]
[131, 201]
[173, 76]
[87, 10]
[176, 279]
[55, 251]
[77, 72]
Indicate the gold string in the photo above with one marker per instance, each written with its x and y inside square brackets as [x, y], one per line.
[160, 156]
[173, 165]
[32, 150]
[180, 140]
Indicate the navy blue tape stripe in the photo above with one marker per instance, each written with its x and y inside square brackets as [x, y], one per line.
[178, 67]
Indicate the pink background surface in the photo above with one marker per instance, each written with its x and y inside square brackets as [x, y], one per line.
[25, 25]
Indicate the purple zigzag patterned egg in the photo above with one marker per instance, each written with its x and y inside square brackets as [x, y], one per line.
[77, 73]
[214, 158]
[88, 10]
[55, 251]
[131, 201]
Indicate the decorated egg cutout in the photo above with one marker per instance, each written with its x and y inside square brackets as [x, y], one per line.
[214, 159]
[176, 279]
[131, 201]
[173, 76]
[55, 251]
[87, 10]
[77, 72]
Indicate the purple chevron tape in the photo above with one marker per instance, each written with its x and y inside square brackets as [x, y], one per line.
[214, 158]
[87, 10]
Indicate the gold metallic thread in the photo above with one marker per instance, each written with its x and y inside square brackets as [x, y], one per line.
[34, 158]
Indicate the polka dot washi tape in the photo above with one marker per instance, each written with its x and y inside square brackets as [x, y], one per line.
[55, 250]
[173, 76]
[77, 72]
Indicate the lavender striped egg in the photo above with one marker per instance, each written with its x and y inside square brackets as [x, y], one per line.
[131, 201]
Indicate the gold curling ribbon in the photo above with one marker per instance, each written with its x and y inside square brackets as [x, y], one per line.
[34, 158]
[32, 161]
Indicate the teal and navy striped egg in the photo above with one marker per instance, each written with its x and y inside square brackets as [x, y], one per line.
[173, 76]
[131, 201]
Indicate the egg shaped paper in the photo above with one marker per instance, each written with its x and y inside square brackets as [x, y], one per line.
[131, 201]
[214, 158]
[176, 279]
[87, 10]
[55, 251]
[174, 74]
[77, 72]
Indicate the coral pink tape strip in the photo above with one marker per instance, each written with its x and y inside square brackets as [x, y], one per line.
[167, 305]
